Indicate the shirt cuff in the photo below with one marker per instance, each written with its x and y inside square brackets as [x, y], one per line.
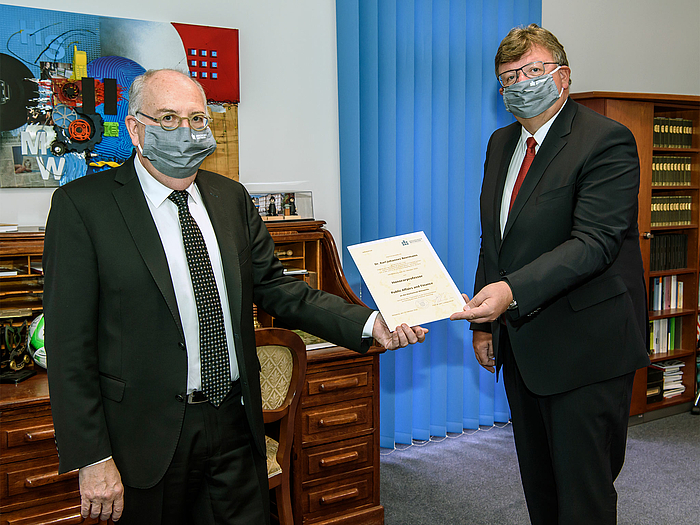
[98, 462]
[369, 325]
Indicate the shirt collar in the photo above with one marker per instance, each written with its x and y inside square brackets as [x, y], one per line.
[155, 191]
[541, 133]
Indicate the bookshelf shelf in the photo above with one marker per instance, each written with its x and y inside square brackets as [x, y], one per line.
[669, 176]
[677, 271]
[668, 402]
[672, 312]
[677, 227]
[672, 354]
[657, 149]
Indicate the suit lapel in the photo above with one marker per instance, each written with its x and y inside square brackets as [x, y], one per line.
[134, 208]
[220, 211]
[550, 148]
[511, 141]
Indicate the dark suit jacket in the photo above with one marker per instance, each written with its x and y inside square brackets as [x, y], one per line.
[116, 347]
[570, 252]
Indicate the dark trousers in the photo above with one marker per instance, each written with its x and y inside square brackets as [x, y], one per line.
[570, 446]
[216, 476]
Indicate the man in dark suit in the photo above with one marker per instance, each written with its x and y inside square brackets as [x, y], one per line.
[155, 432]
[560, 295]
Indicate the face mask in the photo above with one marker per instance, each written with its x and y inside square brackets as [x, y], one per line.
[178, 153]
[532, 96]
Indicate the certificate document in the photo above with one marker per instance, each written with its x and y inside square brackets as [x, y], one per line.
[407, 279]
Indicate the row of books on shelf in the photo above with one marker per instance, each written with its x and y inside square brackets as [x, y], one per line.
[665, 380]
[665, 335]
[670, 171]
[666, 293]
[673, 132]
[668, 251]
[671, 210]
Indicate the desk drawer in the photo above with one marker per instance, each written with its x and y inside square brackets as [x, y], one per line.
[333, 385]
[24, 482]
[27, 438]
[337, 421]
[61, 513]
[349, 493]
[337, 458]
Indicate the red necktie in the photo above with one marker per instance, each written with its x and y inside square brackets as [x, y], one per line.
[529, 157]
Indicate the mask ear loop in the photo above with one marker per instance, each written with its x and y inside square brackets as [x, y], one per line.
[139, 144]
[552, 75]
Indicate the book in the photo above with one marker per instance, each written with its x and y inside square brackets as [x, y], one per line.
[671, 210]
[674, 392]
[312, 342]
[668, 366]
[666, 293]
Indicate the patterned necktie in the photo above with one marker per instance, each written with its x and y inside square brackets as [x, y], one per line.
[213, 351]
[529, 157]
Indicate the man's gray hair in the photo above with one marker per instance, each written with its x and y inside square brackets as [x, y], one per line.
[136, 89]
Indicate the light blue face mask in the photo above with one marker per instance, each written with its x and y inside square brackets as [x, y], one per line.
[178, 153]
[532, 96]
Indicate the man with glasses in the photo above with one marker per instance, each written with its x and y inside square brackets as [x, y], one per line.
[559, 298]
[151, 273]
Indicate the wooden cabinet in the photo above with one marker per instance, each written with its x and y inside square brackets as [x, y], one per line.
[335, 459]
[31, 490]
[336, 441]
[674, 193]
[335, 466]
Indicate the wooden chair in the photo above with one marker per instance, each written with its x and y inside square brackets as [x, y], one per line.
[282, 356]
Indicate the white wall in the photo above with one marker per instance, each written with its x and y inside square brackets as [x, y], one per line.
[288, 115]
[644, 46]
[288, 112]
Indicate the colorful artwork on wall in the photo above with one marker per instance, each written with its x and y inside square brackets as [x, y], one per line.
[64, 84]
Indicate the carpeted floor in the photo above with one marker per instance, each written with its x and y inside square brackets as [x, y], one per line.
[473, 478]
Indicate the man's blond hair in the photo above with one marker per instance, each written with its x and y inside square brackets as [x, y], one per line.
[520, 40]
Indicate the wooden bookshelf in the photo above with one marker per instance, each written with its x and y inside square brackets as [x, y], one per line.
[639, 112]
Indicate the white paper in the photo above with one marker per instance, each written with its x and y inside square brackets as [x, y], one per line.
[407, 280]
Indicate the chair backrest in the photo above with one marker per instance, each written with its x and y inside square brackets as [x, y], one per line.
[282, 356]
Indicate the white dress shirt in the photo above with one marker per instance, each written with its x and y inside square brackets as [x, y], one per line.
[517, 160]
[165, 216]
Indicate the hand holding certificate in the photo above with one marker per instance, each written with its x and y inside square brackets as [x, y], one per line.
[407, 279]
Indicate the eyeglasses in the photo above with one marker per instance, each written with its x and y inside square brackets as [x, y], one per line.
[531, 70]
[172, 121]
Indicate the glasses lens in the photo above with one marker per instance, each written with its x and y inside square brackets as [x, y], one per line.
[199, 121]
[170, 121]
[507, 78]
[533, 69]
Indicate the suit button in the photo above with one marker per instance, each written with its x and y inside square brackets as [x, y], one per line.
[502, 272]
[180, 398]
[182, 346]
